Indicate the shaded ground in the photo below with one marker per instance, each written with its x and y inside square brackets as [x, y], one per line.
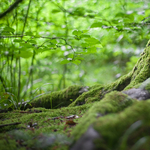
[37, 125]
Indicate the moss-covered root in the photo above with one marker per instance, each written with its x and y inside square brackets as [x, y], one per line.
[92, 95]
[111, 103]
[96, 93]
[139, 74]
[141, 70]
[126, 130]
[57, 99]
[129, 129]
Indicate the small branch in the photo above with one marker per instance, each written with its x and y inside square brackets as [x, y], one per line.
[16, 123]
[12, 7]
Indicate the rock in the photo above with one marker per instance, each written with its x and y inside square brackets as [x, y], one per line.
[145, 85]
[84, 89]
[139, 94]
[86, 140]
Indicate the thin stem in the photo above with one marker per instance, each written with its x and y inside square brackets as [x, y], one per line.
[19, 80]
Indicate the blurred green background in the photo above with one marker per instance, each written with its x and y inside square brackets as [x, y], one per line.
[49, 45]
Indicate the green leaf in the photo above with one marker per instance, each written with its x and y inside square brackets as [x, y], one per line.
[84, 44]
[45, 49]
[26, 45]
[85, 31]
[79, 11]
[37, 36]
[1, 47]
[65, 61]
[18, 40]
[115, 21]
[96, 25]
[56, 10]
[8, 29]
[29, 33]
[26, 54]
[91, 50]
[54, 41]
[76, 32]
[71, 55]
[77, 62]
[79, 58]
[85, 36]
[98, 46]
[32, 41]
[120, 14]
[92, 41]
[130, 17]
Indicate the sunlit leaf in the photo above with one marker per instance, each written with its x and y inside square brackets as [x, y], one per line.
[96, 25]
[65, 61]
[76, 32]
[91, 50]
[98, 46]
[85, 31]
[53, 41]
[26, 54]
[80, 58]
[77, 62]
[92, 41]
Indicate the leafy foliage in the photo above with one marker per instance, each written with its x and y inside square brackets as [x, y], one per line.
[48, 45]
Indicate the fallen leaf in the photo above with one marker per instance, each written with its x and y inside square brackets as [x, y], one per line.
[70, 122]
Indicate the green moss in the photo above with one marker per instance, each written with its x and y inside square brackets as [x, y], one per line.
[11, 145]
[57, 99]
[43, 118]
[49, 121]
[131, 124]
[120, 84]
[112, 103]
[86, 97]
[141, 71]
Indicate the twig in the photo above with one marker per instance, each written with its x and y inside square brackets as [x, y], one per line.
[16, 123]
[15, 4]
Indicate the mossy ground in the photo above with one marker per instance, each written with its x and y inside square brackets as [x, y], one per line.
[48, 122]
[123, 123]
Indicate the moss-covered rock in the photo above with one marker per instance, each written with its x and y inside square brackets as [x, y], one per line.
[113, 102]
[124, 130]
